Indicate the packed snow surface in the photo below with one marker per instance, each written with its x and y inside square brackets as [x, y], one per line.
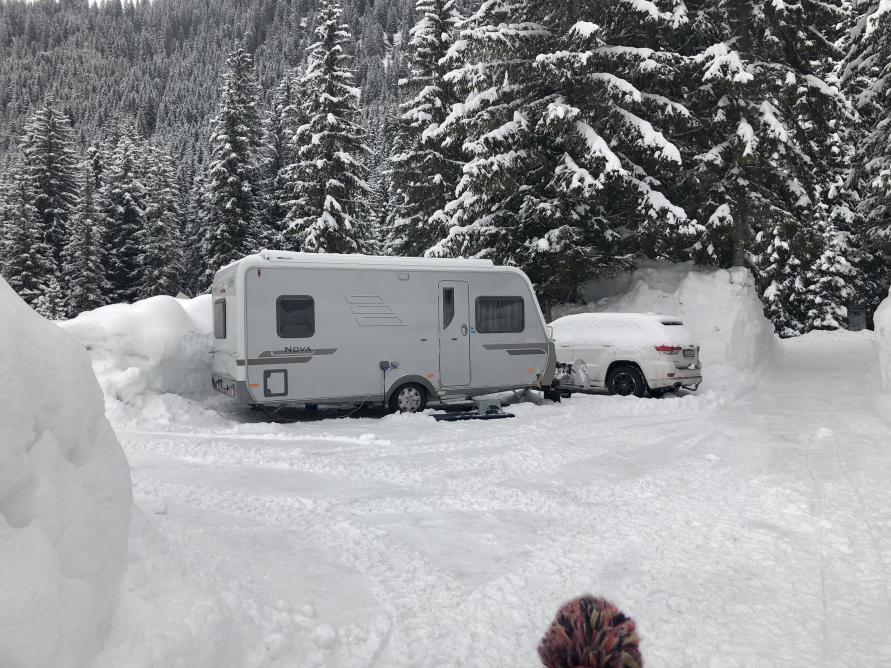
[720, 307]
[739, 529]
[64, 497]
[726, 528]
[882, 321]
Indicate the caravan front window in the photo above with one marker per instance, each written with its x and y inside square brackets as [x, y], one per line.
[295, 316]
[219, 319]
[499, 315]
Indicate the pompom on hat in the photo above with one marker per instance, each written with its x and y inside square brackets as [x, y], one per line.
[590, 632]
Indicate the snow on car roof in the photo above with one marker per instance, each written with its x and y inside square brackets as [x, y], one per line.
[627, 329]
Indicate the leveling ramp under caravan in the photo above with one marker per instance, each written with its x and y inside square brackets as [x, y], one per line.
[295, 329]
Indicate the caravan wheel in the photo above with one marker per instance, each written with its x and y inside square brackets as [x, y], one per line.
[408, 398]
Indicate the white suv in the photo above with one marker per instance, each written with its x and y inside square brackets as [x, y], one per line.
[626, 353]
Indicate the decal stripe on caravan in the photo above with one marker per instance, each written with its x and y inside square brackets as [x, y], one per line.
[283, 357]
[518, 348]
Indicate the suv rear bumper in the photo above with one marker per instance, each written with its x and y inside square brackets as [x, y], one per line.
[666, 374]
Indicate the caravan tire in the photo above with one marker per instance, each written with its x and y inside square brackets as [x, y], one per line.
[408, 398]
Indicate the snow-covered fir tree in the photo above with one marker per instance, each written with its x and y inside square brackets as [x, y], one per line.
[330, 194]
[563, 121]
[193, 234]
[234, 199]
[85, 254]
[49, 168]
[123, 202]
[51, 303]
[288, 113]
[424, 170]
[830, 281]
[765, 110]
[28, 263]
[160, 241]
[866, 77]
[782, 275]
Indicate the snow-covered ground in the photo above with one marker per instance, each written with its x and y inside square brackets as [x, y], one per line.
[756, 531]
[747, 524]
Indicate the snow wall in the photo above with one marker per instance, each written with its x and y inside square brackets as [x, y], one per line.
[720, 306]
[65, 497]
[882, 321]
[156, 346]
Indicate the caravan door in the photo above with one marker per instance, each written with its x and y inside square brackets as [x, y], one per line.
[454, 339]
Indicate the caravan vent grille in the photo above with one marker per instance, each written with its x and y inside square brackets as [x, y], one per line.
[373, 311]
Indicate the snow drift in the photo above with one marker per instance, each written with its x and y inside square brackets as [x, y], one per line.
[156, 346]
[64, 496]
[882, 321]
[719, 306]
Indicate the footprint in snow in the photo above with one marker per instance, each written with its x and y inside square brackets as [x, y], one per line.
[324, 636]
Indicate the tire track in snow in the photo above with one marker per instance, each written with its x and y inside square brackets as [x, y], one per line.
[399, 578]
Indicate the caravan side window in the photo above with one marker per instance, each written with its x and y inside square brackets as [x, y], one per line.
[448, 306]
[219, 319]
[500, 315]
[295, 316]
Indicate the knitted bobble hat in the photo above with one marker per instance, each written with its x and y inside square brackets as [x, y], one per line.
[590, 632]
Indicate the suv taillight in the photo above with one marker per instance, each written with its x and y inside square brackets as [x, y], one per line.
[668, 350]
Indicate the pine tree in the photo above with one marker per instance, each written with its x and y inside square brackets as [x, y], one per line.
[85, 254]
[6, 219]
[51, 303]
[124, 204]
[50, 169]
[29, 263]
[424, 171]
[330, 192]
[279, 152]
[193, 234]
[780, 274]
[866, 77]
[830, 282]
[161, 248]
[562, 117]
[233, 189]
[765, 108]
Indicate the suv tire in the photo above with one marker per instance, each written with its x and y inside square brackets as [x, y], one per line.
[626, 380]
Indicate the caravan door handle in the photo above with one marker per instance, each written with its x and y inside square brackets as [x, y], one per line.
[463, 330]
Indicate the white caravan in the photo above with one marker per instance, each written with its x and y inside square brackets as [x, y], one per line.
[296, 329]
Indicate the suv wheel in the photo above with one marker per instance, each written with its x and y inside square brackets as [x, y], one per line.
[408, 398]
[626, 380]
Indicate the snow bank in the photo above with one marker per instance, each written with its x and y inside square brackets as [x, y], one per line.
[719, 306]
[64, 497]
[156, 346]
[882, 321]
